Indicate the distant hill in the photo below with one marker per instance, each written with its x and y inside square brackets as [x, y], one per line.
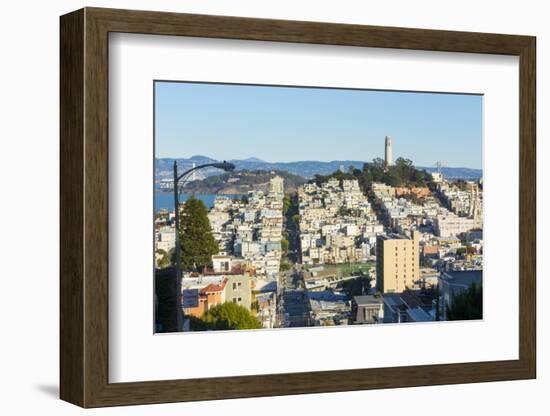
[241, 181]
[164, 166]
[306, 168]
[457, 173]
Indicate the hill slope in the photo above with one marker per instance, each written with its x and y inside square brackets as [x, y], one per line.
[306, 168]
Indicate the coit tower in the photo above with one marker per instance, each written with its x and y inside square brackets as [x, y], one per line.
[388, 154]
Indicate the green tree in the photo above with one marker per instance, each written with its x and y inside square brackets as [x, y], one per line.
[377, 169]
[164, 259]
[284, 266]
[286, 203]
[462, 251]
[197, 242]
[229, 315]
[470, 249]
[404, 168]
[284, 245]
[402, 173]
[467, 305]
[197, 324]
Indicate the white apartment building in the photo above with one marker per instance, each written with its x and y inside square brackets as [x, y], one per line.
[165, 239]
[451, 225]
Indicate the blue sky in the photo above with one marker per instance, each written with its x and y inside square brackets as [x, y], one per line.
[283, 124]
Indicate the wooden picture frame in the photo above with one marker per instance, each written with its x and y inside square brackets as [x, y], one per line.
[84, 207]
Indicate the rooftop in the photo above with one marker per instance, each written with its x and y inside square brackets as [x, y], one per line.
[327, 296]
[201, 282]
[368, 300]
[265, 286]
[419, 315]
[463, 277]
[415, 300]
[326, 306]
[393, 236]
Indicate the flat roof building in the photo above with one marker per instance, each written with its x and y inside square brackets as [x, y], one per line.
[368, 309]
[397, 262]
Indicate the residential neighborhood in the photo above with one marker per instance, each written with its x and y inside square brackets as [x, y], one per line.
[382, 243]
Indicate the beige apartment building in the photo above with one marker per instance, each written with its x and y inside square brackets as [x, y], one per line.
[238, 290]
[397, 262]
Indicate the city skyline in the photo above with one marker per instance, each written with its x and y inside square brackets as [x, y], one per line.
[282, 244]
[232, 121]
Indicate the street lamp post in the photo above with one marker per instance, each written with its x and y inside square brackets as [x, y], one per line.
[225, 166]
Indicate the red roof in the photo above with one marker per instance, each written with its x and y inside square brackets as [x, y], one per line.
[213, 287]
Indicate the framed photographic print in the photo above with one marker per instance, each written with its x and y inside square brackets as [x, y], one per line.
[255, 207]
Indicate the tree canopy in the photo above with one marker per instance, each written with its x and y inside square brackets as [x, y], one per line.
[230, 315]
[402, 173]
[163, 260]
[467, 305]
[287, 202]
[284, 245]
[197, 242]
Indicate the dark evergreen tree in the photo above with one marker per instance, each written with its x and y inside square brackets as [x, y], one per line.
[196, 239]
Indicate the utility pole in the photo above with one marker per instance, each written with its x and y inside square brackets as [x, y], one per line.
[225, 166]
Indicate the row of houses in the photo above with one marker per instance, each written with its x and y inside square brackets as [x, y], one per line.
[337, 224]
[252, 229]
[201, 292]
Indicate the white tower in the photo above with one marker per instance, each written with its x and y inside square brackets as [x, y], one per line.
[388, 153]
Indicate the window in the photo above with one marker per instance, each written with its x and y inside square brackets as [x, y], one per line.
[237, 285]
[237, 300]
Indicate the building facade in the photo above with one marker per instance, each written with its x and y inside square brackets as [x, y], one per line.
[238, 290]
[451, 225]
[368, 309]
[397, 262]
[276, 185]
